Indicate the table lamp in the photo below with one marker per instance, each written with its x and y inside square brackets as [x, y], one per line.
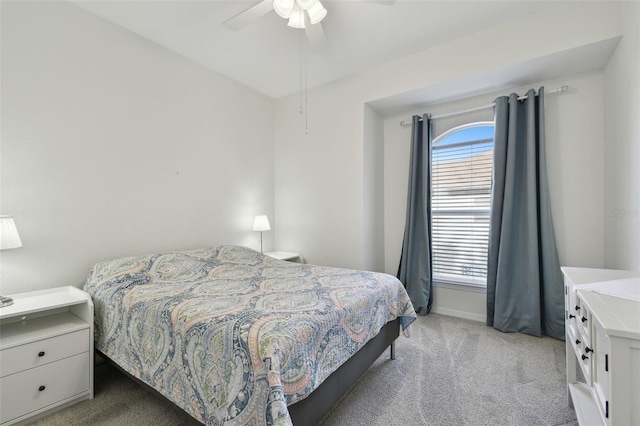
[9, 239]
[261, 223]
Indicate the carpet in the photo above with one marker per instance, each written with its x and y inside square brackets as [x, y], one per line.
[450, 371]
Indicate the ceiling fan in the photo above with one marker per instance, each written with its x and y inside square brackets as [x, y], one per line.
[302, 14]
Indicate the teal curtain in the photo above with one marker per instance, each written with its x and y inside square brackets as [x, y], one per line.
[415, 261]
[524, 281]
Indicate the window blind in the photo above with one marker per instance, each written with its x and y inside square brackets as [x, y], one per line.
[461, 202]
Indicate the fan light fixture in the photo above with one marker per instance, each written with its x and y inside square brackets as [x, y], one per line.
[294, 11]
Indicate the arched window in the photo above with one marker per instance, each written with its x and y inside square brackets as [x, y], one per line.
[461, 201]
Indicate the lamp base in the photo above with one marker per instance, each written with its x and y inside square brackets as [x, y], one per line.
[5, 301]
[261, 251]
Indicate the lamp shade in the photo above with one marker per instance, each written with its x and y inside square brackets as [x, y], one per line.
[283, 7]
[9, 237]
[306, 4]
[296, 20]
[316, 13]
[261, 223]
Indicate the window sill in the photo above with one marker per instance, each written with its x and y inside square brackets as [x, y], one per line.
[460, 286]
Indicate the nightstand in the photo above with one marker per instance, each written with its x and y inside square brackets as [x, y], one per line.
[46, 353]
[285, 255]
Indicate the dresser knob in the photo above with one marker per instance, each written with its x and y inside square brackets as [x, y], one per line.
[41, 353]
[584, 357]
[41, 388]
[588, 349]
[578, 341]
[584, 319]
[577, 308]
[571, 316]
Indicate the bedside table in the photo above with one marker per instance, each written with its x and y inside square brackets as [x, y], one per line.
[46, 353]
[285, 255]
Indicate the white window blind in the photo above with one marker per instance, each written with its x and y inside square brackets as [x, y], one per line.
[461, 201]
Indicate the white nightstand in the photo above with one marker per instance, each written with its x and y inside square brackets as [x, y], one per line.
[285, 255]
[46, 353]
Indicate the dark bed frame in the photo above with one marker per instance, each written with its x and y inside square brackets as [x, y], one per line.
[313, 408]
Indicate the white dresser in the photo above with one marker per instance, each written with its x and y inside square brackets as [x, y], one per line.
[46, 353]
[603, 345]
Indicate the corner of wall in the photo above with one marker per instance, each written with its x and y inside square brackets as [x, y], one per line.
[621, 213]
[373, 191]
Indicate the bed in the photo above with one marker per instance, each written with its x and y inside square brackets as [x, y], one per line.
[234, 337]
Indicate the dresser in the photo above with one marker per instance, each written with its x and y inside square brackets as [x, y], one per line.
[46, 353]
[602, 328]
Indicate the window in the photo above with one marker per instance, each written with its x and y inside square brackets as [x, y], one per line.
[461, 202]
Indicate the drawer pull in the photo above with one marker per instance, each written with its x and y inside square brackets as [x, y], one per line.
[41, 353]
[577, 308]
[578, 341]
[584, 357]
[41, 388]
[583, 319]
[588, 349]
[571, 316]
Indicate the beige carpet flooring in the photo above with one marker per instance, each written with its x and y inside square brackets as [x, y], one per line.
[449, 372]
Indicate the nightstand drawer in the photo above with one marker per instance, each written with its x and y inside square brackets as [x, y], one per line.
[41, 352]
[286, 255]
[37, 388]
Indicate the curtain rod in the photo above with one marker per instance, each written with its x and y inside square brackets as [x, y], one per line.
[491, 105]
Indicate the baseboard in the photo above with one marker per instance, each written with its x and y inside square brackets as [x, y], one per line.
[460, 314]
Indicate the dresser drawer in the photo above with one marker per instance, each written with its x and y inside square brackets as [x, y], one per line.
[39, 387]
[583, 320]
[584, 357]
[41, 352]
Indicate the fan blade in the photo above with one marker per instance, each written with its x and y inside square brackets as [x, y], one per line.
[245, 18]
[315, 35]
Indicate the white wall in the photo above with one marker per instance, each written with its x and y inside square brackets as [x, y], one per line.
[622, 147]
[322, 200]
[373, 202]
[319, 177]
[113, 146]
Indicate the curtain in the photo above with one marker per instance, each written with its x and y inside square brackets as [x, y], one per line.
[415, 260]
[524, 281]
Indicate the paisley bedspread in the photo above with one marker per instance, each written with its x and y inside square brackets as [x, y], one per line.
[232, 336]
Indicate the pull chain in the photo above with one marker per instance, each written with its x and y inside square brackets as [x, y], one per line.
[306, 103]
[301, 40]
[303, 82]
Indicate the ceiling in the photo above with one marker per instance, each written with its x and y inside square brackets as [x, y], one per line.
[266, 55]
